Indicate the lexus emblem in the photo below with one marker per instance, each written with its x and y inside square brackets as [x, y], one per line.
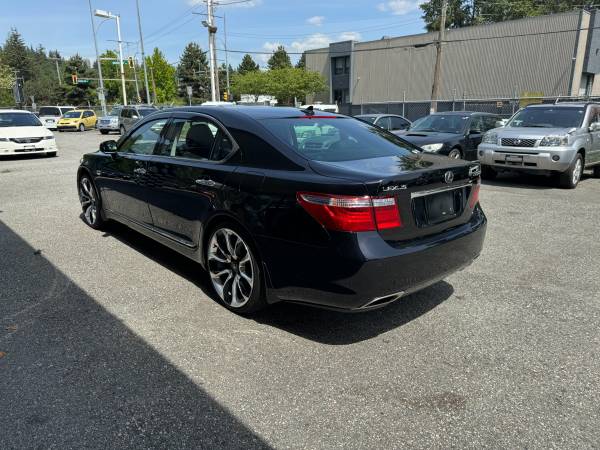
[449, 177]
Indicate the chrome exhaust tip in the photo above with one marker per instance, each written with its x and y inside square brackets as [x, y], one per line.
[381, 301]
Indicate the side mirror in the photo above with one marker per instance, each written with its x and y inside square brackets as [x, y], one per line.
[108, 147]
[594, 126]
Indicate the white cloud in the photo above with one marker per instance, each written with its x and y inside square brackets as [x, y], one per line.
[234, 3]
[268, 47]
[398, 7]
[349, 36]
[317, 21]
[316, 40]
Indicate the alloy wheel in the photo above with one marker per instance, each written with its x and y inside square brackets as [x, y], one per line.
[231, 267]
[577, 171]
[454, 154]
[89, 200]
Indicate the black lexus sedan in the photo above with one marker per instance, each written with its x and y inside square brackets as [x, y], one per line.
[454, 134]
[286, 204]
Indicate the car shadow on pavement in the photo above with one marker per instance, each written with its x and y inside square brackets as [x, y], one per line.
[325, 326]
[527, 181]
[341, 328]
[72, 375]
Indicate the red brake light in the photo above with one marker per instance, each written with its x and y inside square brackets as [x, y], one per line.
[475, 194]
[348, 213]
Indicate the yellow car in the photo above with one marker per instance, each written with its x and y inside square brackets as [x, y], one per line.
[78, 119]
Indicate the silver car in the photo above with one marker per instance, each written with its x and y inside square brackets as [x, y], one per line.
[122, 118]
[560, 139]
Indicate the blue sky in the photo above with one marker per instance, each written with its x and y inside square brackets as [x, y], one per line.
[252, 25]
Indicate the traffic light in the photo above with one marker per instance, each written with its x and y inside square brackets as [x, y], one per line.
[74, 78]
[225, 96]
[130, 62]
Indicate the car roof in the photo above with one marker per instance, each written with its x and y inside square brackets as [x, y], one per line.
[378, 115]
[561, 105]
[15, 111]
[254, 112]
[463, 113]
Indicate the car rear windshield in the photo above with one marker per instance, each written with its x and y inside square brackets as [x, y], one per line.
[73, 115]
[550, 117]
[441, 123]
[49, 111]
[337, 139]
[19, 120]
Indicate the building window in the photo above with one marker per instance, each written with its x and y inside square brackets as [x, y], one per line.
[347, 64]
[338, 65]
[585, 87]
[341, 96]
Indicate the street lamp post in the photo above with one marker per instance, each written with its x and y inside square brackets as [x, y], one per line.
[137, 4]
[109, 15]
[101, 94]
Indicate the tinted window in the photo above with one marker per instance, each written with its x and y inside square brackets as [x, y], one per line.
[49, 111]
[550, 117]
[476, 124]
[448, 123]
[384, 122]
[145, 111]
[64, 110]
[196, 139]
[369, 119]
[88, 114]
[399, 123]
[19, 120]
[125, 112]
[143, 140]
[323, 139]
[73, 115]
[489, 122]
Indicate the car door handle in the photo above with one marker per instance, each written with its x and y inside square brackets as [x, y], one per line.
[205, 182]
[140, 171]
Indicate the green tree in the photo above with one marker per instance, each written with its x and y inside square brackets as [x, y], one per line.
[43, 86]
[284, 84]
[247, 65]
[16, 55]
[458, 14]
[279, 59]
[7, 81]
[78, 94]
[193, 71]
[301, 64]
[164, 77]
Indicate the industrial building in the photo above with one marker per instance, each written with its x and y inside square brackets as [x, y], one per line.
[545, 56]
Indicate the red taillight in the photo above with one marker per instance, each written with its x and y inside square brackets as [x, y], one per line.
[475, 194]
[348, 213]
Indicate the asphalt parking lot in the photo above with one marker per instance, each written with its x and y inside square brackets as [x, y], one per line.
[108, 340]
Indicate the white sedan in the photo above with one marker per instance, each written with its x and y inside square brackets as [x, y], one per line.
[22, 132]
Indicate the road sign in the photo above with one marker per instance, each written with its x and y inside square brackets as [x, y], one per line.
[83, 81]
[189, 90]
[116, 63]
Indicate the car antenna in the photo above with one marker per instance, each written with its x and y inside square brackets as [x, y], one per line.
[309, 111]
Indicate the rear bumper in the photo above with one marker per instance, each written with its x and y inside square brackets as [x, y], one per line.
[361, 271]
[67, 127]
[536, 158]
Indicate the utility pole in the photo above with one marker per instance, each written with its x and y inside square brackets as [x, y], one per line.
[153, 83]
[214, 74]
[121, 60]
[435, 90]
[57, 70]
[137, 4]
[101, 95]
[226, 57]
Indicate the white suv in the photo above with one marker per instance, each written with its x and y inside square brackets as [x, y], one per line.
[21, 132]
[50, 115]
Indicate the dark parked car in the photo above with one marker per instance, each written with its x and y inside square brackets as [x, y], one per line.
[390, 122]
[284, 204]
[454, 134]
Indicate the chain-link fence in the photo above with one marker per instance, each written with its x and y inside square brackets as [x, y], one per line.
[413, 110]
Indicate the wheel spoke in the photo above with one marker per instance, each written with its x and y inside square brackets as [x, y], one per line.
[88, 214]
[216, 258]
[218, 275]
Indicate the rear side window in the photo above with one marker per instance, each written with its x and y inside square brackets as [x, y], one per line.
[385, 123]
[399, 124]
[337, 139]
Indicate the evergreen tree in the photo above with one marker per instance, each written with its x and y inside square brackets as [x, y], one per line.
[193, 71]
[7, 80]
[16, 54]
[301, 64]
[247, 65]
[78, 94]
[280, 59]
[458, 14]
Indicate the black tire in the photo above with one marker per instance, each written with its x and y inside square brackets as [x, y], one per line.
[233, 269]
[60, 131]
[91, 202]
[596, 171]
[81, 128]
[569, 179]
[104, 131]
[122, 130]
[488, 173]
[455, 153]
[50, 154]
